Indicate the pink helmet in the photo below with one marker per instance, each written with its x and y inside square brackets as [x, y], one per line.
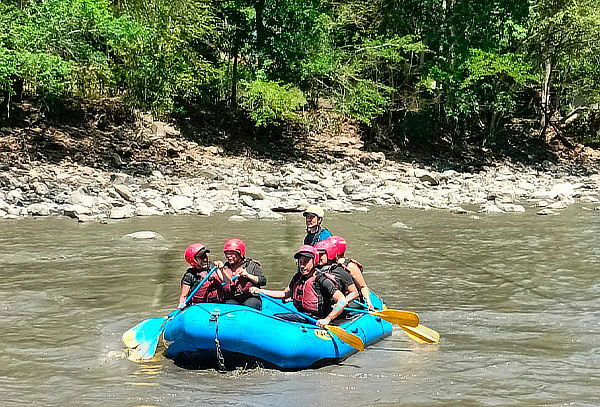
[235, 245]
[308, 251]
[328, 247]
[340, 244]
[192, 251]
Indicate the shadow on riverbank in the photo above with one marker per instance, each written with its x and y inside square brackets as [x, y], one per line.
[108, 137]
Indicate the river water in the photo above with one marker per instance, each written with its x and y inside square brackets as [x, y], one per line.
[515, 297]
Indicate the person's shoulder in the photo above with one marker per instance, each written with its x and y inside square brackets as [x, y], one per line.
[190, 270]
[252, 263]
[325, 233]
[325, 278]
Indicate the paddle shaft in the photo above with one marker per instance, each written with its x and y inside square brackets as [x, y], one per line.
[273, 300]
[344, 336]
[191, 294]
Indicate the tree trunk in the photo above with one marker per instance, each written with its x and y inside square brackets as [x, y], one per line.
[233, 96]
[260, 29]
[545, 94]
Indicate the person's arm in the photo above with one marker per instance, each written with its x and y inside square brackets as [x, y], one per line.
[271, 293]
[366, 293]
[352, 293]
[185, 290]
[340, 304]
[360, 282]
[254, 274]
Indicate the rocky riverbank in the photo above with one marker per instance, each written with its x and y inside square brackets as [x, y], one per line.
[39, 177]
[260, 189]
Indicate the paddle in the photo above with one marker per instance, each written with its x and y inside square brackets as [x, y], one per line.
[343, 335]
[144, 336]
[419, 333]
[392, 315]
[422, 334]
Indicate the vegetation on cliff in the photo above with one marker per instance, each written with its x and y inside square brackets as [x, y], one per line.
[462, 72]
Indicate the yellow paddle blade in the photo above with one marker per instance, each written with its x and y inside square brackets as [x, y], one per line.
[347, 337]
[397, 317]
[129, 338]
[422, 334]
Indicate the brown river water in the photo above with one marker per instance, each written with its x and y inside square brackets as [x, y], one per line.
[515, 297]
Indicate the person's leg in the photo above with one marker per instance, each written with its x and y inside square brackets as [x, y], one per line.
[254, 302]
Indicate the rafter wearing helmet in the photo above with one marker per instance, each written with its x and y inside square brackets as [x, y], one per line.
[328, 264]
[313, 292]
[353, 267]
[315, 232]
[248, 272]
[196, 255]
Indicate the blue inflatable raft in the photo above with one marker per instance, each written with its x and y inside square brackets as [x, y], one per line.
[273, 337]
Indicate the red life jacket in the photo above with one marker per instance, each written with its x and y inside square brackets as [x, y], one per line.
[347, 263]
[211, 291]
[241, 286]
[306, 296]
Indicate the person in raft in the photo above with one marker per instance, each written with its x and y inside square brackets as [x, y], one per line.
[212, 290]
[313, 215]
[241, 274]
[354, 268]
[313, 293]
[328, 263]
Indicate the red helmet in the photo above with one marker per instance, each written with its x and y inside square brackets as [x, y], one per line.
[235, 245]
[192, 251]
[328, 247]
[308, 251]
[340, 244]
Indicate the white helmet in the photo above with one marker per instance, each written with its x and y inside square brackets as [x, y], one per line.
[314, 210]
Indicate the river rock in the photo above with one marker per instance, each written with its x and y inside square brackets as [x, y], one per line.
[565, 189]
[546, 212]
[252, 192]
[204, 207]
[73, 211]
[81, 198]
[490, 207]
[237, 218]
[40, 188]
[121, 213]
[124, 192]
[509, 207]
[180, 202]
[424, 176]
[400, 225]
[39, 209]
[14, 196]
[144, 235]
[269, 215]
[557, 205]
[142, 209]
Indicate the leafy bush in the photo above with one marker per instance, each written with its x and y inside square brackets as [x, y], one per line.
[268, 102]
[365, 101]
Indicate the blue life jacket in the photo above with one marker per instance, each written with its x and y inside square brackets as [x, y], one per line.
[312, 238]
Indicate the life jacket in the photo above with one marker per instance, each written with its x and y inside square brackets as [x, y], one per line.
[312, 239]
[211, 291]
[240, 288]
[335, 270]
[347, 263]
[305, 293]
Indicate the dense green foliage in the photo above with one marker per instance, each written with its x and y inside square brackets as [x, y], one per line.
[408, 69]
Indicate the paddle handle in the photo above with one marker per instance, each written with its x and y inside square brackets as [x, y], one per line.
[363, 311]
[362, 304]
